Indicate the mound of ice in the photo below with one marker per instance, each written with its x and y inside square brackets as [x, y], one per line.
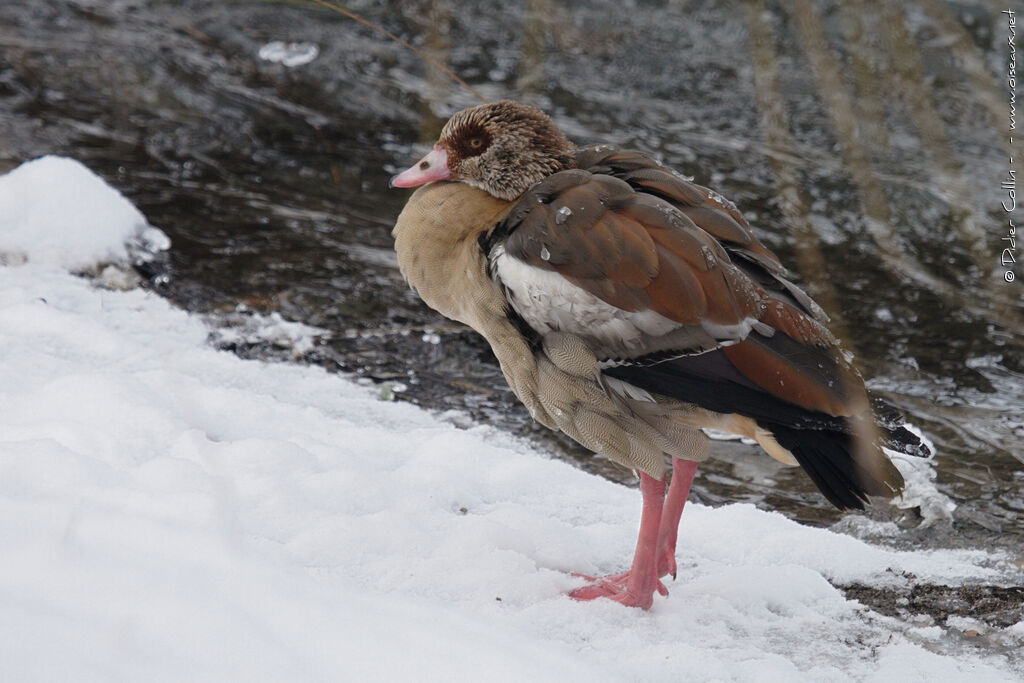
[55, 211]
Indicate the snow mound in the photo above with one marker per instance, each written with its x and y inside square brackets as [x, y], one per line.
[55, 211]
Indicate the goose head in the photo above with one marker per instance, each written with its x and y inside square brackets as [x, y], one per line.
[502, 148]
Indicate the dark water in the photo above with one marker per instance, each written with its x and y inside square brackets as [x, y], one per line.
[865, 143]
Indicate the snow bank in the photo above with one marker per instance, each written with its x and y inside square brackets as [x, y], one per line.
[57, 212]
[171, 512]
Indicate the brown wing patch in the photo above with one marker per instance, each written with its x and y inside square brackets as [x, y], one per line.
[568, 228]
[717, 216]
[797, 324]
[632, 250]
[676, 293]
[719, 224]
[638, 264]
[794, 377]
[643, 241]
[673, 230]
[666, 184]
[705, 209]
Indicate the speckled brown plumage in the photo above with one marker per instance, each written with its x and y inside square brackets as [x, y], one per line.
[520, 145]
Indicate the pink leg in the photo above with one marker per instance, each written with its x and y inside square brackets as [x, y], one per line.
[682, 478]
[636, 587]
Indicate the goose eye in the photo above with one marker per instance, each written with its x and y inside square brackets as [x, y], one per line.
[476, 143]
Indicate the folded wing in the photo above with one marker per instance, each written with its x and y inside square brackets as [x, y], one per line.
[668, 287]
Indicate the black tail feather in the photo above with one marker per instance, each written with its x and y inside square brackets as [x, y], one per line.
[831, 459]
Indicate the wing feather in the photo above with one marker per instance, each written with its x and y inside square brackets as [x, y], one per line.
[671, 293]
[647, 254]
[676, 293]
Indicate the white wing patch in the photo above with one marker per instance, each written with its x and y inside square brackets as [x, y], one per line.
[549, 302]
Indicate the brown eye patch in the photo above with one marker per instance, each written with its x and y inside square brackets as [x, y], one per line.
[469, 141]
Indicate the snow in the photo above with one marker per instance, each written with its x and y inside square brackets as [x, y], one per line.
[78, 222]
[243, 327]
[171, 512]
[289, 54]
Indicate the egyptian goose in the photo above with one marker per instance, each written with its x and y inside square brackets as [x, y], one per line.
[630, 308]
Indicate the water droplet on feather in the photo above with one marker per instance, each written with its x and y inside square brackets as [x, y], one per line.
[709, 257]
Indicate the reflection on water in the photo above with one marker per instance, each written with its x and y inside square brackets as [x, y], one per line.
[866, 143]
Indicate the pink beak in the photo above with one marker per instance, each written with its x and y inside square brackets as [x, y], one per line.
[432, 167]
